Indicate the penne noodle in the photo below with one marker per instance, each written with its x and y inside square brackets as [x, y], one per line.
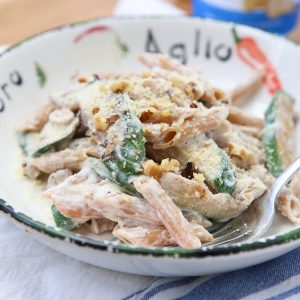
[107, 199]
[200, 123]
[245, 150]
[100, 226]
[58, 177]
[202, 233]
[144, 236]
[238, 116]
[169, 214]
[40, 118]
[214, 96]
[69, 196]
[194, 217]
[65, 159]
[250, 130]
[162, 61]
[249, 88]
[288, 202]
[195, 196]
[288, 205]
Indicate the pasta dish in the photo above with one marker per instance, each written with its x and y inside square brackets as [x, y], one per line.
[157, 158]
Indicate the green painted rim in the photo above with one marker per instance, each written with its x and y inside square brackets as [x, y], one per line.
[116, 246]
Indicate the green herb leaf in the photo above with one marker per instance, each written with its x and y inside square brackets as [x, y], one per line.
[41, 75]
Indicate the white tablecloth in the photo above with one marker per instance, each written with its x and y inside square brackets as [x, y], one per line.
[30, 270]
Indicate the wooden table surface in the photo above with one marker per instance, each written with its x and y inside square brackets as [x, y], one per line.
[20, 19]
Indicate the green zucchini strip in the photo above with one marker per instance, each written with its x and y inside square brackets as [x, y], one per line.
[125, 160]
[276, 145]
[62, 221]
[34, 144]
[215, 165]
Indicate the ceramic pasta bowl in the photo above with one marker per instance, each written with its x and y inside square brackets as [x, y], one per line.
[48, 62]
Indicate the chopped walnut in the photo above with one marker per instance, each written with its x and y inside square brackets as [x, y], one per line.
[119, 86]
[100, 122]
[156, 171]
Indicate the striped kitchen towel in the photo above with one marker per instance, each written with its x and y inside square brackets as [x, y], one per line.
[274, 280]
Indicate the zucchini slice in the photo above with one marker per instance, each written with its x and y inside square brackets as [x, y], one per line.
[216, 166]
[98, 166]
[127, 143]
[61, 221]
[278, 133]
[51, 137]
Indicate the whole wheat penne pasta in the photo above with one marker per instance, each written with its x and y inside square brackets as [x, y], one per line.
[152, 60]
[84, 197]
[98, 226]
[238, 116]
[167, 116]
[40, 118]
[262, 173]
[194, 195]
[107, 199]
[245, 150]
[288, 202]
[153, 132]
[248, 88]
[160, 94]
[58, 177]
[65, 159]
[169, 214]
[289, 205]
[250, 130]
[202, 233]
[158, 156]
[207, 93]
[200, 123]
[214, 96]
[69, 196]
[195, 217]
[144, 236]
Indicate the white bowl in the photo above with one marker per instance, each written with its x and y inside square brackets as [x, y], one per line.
[33, 69]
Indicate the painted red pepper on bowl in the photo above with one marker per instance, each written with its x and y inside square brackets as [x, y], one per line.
[251, 54]
[100, 29]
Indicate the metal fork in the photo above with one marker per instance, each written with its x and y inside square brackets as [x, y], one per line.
[257, 219]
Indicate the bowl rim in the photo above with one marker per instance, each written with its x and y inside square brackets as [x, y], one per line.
[116, 246]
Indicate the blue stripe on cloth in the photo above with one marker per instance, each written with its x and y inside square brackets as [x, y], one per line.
[135, 293]
[238, 284]
[286, 294]
[140, 291]
[165, 286]
[233, 285]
